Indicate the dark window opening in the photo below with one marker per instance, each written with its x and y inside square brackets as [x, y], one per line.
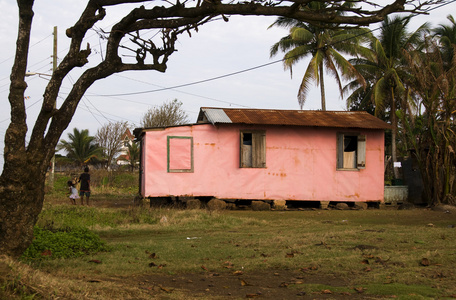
[351, 151]
[247, 139]
[253, 149]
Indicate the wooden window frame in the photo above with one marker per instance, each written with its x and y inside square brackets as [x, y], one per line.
[191, 170]
[360, 153]
[257, 152]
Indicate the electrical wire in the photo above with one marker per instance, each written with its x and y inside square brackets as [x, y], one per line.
[182, 92]
[251, 68]
[114, 120]
[72, 81]
[228, 74]
[12, 57]
[93, 115]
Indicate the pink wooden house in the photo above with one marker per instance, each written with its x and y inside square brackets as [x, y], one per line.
[259, 154]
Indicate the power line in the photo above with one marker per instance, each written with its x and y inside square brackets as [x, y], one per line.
[231, 74]
[91, 112]
[9, 58]
[195, 82]
[182, 92]
[251, 68]
[72, 81]
[113, 120]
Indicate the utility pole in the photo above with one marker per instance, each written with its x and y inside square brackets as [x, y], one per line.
[54, 66]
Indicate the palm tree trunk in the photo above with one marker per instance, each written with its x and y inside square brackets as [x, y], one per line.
[322, 88]
[393, 134]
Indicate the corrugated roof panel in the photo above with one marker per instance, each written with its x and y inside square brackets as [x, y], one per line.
[340, 119]
[216, 115]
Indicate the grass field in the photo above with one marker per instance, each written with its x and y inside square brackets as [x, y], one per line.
[169, 253]
[180, 254]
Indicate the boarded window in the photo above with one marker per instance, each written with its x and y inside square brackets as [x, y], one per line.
[351, 151]
[253, 149]
[180, 154]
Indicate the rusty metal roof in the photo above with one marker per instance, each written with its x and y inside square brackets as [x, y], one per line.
[308, 118]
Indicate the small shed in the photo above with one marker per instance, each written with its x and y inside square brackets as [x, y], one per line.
[262, 154]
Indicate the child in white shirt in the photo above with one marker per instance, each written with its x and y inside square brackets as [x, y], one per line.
[73, 192]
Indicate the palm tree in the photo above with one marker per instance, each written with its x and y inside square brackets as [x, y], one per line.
[446, 34]
[433, 134]
[324, 45]
[385, 71]
[81, 148]
[133, 155]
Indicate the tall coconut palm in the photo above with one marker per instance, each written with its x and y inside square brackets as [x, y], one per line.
[324, 45]
[385, 71]
[446, 34]
[81, 147]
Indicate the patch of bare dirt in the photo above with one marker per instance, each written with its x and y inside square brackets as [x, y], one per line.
[268, 284]
[112, 202]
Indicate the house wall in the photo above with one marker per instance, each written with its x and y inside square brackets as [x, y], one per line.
[300, 165]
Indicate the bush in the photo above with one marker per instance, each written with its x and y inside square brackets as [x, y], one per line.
[63, 243]
[126, 180]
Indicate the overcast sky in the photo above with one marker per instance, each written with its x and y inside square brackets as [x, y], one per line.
[217, 49]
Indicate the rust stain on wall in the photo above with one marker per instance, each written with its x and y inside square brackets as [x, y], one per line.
[281, 174]
[355, 195]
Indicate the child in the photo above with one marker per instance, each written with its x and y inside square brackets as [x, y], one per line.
[73, 192]
[84, 179]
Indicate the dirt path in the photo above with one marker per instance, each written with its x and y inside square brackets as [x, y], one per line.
[269, 284]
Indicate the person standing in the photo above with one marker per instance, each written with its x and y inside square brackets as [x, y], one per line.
[73, 192]
[84, 190]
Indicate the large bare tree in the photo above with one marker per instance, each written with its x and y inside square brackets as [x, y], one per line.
[168, 114]
[25, 164]
[109, 136]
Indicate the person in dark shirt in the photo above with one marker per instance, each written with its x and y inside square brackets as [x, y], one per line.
[84, 190]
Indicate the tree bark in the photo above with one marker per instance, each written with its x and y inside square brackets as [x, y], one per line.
[322, 87]
[394, 134]
[21, 188]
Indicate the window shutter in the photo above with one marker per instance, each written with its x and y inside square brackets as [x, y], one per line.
[361, 153]
[259, 150]
[340, 150]
[245, 153]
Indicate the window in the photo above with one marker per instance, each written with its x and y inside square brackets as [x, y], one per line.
[253, 149]
[351, 151]
[180, 154]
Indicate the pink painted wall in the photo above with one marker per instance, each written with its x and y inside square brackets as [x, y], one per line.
[300, 165]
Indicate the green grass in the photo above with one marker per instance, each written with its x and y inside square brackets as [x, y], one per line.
[378, 250]
[332, 243]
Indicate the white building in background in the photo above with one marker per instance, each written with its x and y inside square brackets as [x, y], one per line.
[127, 139]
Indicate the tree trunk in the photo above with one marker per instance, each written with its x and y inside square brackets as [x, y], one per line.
[322, 88]
[21, 182]
[23, 177]
[393, 134]
[21, 201]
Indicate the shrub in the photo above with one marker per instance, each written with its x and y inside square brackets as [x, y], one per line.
[126, 180]
[63, 243]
